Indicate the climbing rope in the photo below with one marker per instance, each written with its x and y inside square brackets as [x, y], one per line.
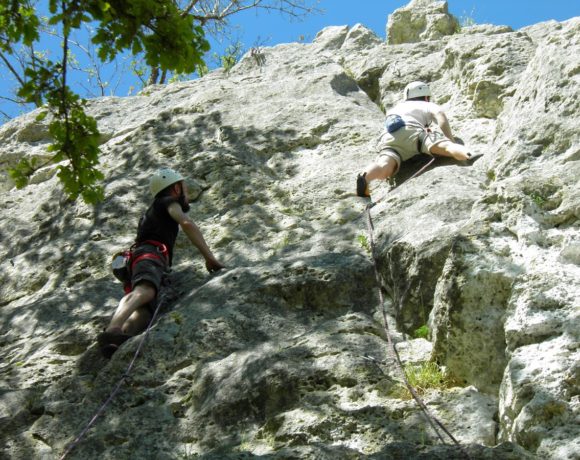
[113, 393]
[418, 173]
[431, 419]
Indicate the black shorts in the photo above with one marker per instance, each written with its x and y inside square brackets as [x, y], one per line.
[153, 270]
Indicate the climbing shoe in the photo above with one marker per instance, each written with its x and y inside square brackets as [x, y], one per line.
[471, 157]
[362, 187]
[108, 350]
[109, 342]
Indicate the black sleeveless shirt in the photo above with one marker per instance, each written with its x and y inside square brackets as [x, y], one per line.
[157, 225]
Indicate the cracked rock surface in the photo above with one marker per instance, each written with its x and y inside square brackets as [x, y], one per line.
[284, 354]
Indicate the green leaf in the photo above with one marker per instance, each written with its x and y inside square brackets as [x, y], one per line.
[41, 116]
[154, 28]
[21, 173]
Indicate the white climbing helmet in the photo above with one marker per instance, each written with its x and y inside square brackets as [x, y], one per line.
[162, 179]
[416, 89]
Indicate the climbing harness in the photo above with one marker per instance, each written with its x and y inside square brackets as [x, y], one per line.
[124, 261]
[161, 254]
[431, 419]
[103, 406]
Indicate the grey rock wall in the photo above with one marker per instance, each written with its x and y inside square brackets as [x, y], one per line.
[270, 358]
[420, 20]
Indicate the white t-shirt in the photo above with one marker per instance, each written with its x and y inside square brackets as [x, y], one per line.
[421, 111]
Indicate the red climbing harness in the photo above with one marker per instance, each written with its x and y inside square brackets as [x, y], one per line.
[162, 252]
[124, 261]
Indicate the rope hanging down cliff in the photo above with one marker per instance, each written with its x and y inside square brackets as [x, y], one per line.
[103, 406]
[431, 419]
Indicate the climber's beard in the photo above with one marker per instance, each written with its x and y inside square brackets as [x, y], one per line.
[184, 202]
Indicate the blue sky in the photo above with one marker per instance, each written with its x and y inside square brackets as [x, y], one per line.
[269, 29]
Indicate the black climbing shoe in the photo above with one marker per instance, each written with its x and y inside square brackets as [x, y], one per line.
[109, 342]
[362, 187]
[117, 338]
[472, 157]
[108, 350]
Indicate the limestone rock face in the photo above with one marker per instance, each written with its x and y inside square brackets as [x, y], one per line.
[420, 20]
[285, 354]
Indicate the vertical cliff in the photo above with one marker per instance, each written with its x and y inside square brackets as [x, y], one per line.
[270, 358]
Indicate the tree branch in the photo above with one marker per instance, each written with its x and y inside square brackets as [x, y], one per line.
[215, 10]
[188, 8]
[12, 69]
[9, 99]
[5, 115]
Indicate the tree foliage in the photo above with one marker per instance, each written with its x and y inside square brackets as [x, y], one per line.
[165, 36]
[215, 17]
[168, 39]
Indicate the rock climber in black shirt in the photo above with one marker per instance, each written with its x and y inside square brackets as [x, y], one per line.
[152, 255]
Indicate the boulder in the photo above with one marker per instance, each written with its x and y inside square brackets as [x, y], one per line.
[420, 20]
